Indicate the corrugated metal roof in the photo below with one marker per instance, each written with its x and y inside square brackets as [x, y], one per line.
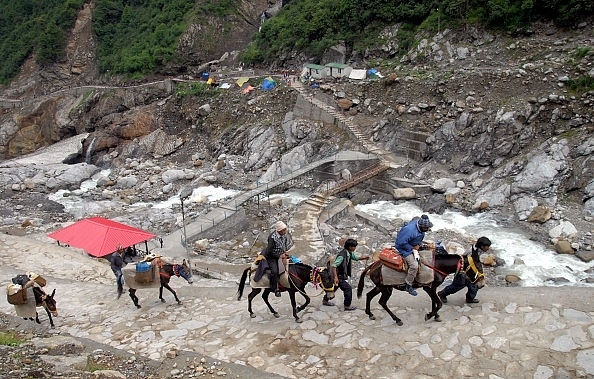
[336, 65]
[314, 66]
[99, 236]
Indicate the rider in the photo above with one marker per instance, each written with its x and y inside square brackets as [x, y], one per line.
[278, 245]
[117, 262]
[460, 280]
[409, 238]
[341, 270]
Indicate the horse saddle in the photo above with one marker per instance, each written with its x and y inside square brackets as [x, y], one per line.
[261, 278]
[145, 272]
[391, 277]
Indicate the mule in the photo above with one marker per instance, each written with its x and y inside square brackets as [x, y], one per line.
[443, 265]
[47, 302]
[166, 271]
[299, 275]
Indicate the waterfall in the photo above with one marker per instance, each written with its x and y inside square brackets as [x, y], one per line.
[90, 151]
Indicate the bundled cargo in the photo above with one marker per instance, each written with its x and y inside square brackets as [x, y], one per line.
[16, 294]
[391, 259]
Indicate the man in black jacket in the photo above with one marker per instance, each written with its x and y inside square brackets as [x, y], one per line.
[341, 270]
[278, 245]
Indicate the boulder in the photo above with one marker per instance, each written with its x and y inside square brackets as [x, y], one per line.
[585, 255]
[540, 214]
[404, 193]
[564, 247]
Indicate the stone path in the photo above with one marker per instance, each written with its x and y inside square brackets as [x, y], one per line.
[513, 333]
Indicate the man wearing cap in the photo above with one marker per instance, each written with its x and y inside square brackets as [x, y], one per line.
[409, 238]
[278, 245]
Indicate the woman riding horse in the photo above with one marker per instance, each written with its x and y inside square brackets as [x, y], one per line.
[299, 275]
[443, 266]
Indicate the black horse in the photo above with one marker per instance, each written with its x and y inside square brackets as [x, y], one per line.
[444, 265]
[299, 275]
[166, 271]
[47, 302]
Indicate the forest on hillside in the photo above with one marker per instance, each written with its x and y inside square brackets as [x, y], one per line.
[138, 37]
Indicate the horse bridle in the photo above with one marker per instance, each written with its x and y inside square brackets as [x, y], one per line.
[315, 278]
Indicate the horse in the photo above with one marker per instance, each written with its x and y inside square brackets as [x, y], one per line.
[444, 264]
[47, 302]
[166, 271]
[299, 275]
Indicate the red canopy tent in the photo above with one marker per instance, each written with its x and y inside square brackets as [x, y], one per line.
[100, 236]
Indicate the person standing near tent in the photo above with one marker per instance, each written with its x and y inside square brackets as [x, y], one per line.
[117, 262]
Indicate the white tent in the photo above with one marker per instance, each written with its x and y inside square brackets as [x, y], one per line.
[358, 74]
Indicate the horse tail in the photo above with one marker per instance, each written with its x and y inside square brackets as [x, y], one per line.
[242, 283]
[362, 282]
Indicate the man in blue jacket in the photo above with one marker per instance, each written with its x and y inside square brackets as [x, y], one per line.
[409, 238]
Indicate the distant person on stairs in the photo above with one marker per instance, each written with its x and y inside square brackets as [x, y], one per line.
[279, 242]
[460, 281]
[409, 239]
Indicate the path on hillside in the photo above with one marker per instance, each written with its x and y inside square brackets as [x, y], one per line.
[513, 333]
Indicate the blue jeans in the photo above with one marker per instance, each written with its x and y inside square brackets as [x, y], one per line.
[459, 283]
[119, 280]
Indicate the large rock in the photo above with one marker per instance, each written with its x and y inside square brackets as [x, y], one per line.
[565, 229]
[404, 193]
[540, 214]
[564, 247]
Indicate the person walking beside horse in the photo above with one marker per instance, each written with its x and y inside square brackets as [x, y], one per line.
[409, 239]
[279, 242]
[462, 280]
[117, 262]
[341, 271]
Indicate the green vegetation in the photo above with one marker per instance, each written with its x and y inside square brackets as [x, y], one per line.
[582, 84]
[312, 26]
[581, 52]
[34, 27]
[93, 366]
[192, 89]
[9, 339]
[136, 37]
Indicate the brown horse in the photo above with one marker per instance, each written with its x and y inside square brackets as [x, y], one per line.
[166, 271]
[299, 275]
[444, 264]
[47, 302]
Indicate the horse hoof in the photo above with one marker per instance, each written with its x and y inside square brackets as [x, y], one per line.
[252, 315]
[276, 315]
[399, 323]
[138, 306]
[179, 303]
[427, 317]
[371, 317]
[163, 301]
[438, 319]
[298, 320]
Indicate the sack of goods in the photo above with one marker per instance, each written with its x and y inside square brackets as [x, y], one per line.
[16, 295]
[144, 272]
[39, 280]
[391, 259]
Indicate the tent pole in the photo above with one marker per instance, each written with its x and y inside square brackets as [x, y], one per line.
[146, 246]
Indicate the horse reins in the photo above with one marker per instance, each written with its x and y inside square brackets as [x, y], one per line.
[314, 276]
[166, 275]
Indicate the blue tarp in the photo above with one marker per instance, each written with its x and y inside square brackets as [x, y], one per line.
[268, 84]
